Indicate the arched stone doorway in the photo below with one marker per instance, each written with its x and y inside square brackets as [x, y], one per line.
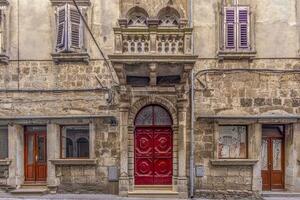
[153, 146]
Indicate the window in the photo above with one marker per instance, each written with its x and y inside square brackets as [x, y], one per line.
[137, 19]
[236, 28]
[3, 142]
[69, 30]
[75, 142]
[232, 142]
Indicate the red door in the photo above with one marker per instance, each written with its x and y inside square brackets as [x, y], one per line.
[153, 156]
[35, 156]
[272, 158]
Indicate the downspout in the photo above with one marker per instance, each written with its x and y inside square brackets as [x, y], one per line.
[192, 147]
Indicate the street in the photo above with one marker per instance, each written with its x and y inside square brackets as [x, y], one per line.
[100, 197]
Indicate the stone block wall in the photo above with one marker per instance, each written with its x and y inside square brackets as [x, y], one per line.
[94, 178]
[3, 175]
[217, 177]
[251, 92]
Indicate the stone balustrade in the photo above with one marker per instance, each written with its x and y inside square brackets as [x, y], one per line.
[171, 41]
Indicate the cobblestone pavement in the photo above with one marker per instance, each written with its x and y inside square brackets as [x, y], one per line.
[100, 197]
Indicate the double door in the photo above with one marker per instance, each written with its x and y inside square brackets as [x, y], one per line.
[153, 156]
[272, 159]
[35, 156]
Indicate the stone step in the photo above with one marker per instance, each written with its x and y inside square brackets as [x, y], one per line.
[153, 194]
[34, 186]
[154, 187]
[280, 194]
[30, 191]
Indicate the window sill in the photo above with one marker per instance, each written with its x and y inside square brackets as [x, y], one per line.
[70, 57]
[78, 161]
[5, 162]
[233, 162]
[236, 55]
[62, 2]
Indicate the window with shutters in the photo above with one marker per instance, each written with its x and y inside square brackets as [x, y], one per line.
[236, 34]
[69, 29]
[69, 34]
[4, 24]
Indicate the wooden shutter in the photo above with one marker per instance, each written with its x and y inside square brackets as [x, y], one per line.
[243, 27]
[61, 43]
[230, 28]
[74, 29]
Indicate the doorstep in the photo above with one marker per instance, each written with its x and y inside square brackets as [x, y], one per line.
[280, 194]
[153, 191]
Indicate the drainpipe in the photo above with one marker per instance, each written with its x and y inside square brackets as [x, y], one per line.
[192, 147]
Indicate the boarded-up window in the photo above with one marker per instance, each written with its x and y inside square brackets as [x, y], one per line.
[75, 142]
[3, 142]
[232, 142]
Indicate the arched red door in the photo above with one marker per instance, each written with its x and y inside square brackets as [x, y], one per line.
[153, 144]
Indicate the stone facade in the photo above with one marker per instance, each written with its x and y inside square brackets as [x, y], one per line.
[261, 87]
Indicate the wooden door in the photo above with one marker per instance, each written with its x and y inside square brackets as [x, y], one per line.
[35, 156]
[153, 156]
[272, 159]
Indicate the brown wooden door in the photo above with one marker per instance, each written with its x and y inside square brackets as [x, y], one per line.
[35, 156]
[272, 159]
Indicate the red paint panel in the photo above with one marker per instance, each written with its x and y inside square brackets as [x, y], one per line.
[153, 156]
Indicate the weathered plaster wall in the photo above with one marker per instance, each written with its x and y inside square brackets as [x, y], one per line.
[274, 28]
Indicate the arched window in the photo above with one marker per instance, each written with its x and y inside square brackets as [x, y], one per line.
[83, 147]
[137, 17]
[153, 115]
[69, 147]
[168, 17]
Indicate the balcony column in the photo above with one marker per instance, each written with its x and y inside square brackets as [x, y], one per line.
[153, 24]
[153, 74]
[182, 105]
[123, 113]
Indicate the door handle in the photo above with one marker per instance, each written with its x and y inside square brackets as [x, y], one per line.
[36, 158]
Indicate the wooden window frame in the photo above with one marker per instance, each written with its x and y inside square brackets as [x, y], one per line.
[247, 142]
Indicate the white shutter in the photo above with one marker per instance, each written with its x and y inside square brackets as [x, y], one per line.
[61, 30]
[75, 29]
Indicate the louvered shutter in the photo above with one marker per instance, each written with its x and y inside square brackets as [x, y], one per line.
[243, 27]
[230, 27]
[61, 43]
[74, 29]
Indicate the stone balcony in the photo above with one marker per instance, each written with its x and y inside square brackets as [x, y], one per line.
[152, 51]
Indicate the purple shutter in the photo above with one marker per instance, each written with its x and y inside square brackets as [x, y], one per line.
[243, 27]
[230, 27]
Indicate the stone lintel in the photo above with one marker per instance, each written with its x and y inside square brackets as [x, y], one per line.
[234, 162]
[74, 161]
